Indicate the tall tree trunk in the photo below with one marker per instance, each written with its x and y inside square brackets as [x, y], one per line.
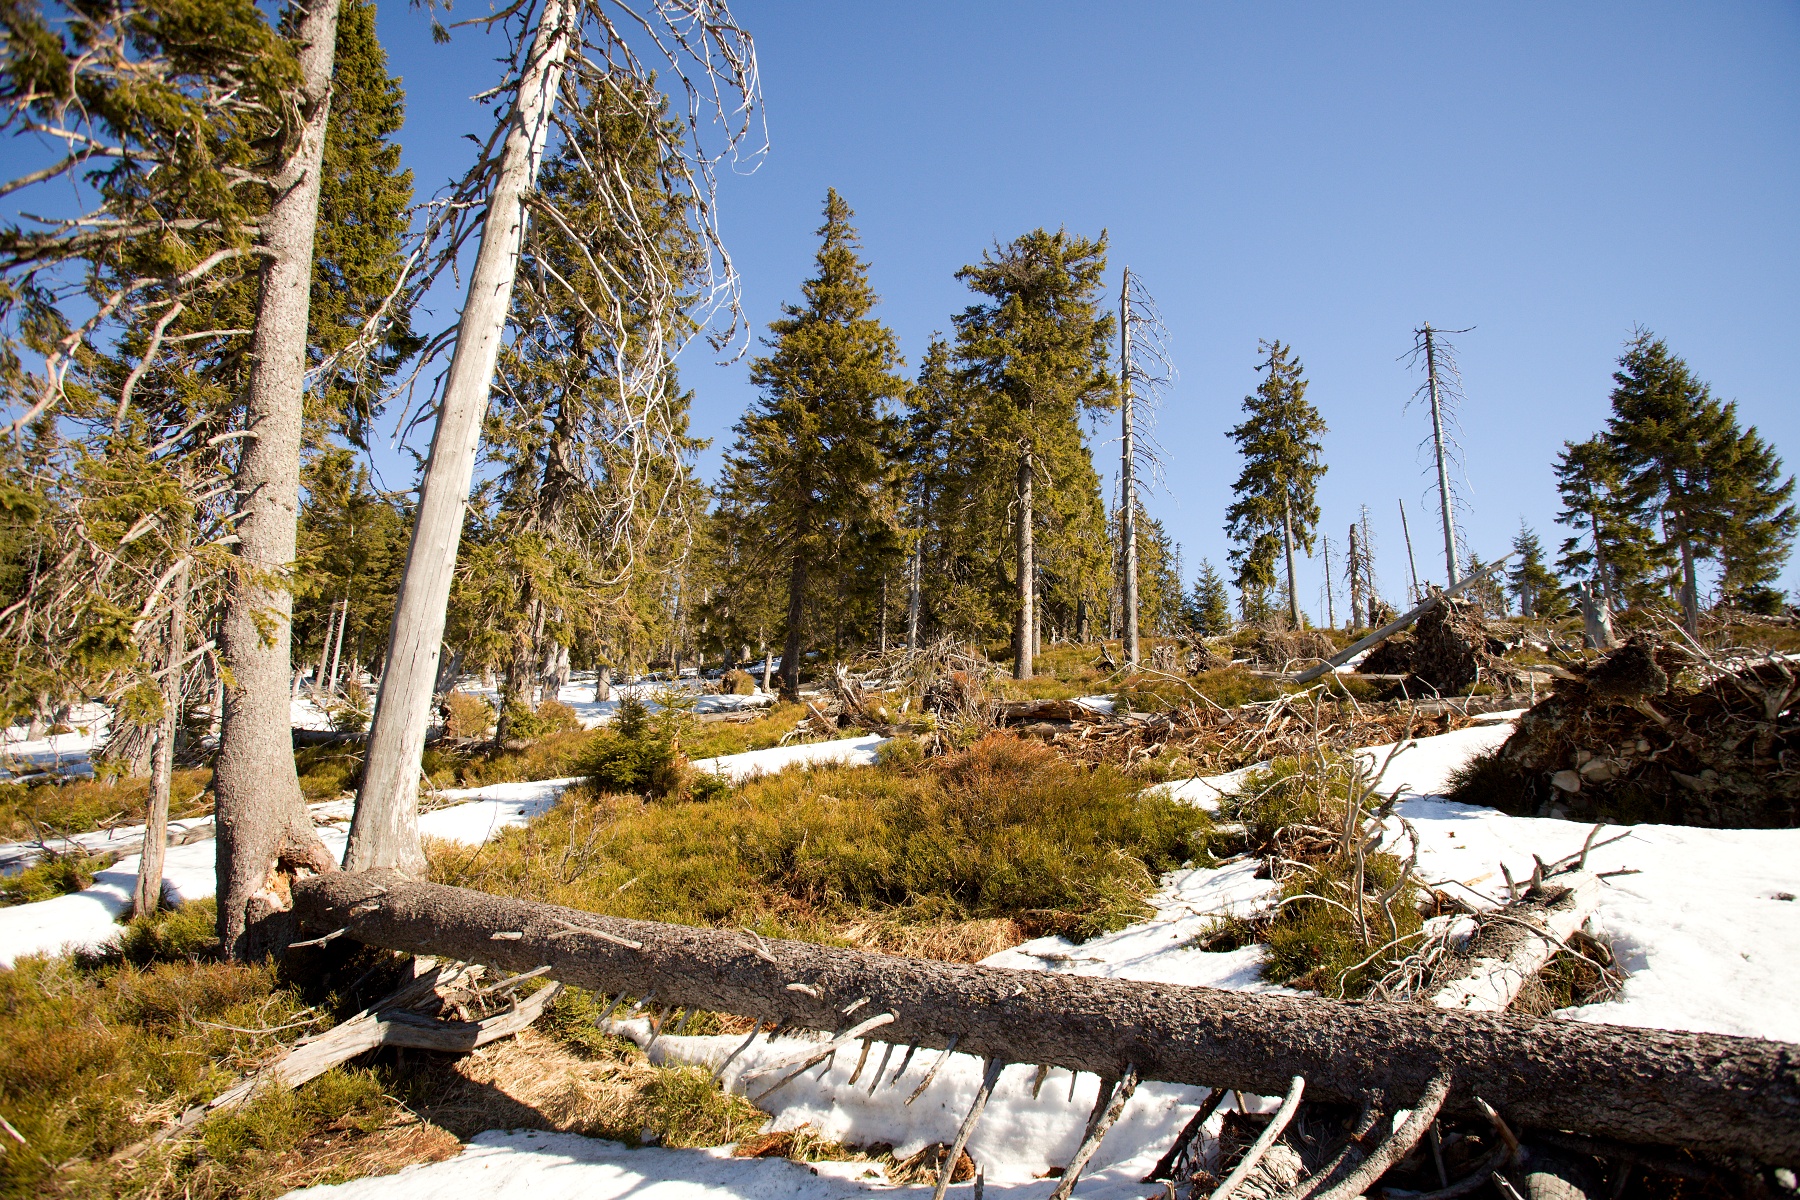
[331, 621]
[1287, 544]
[912, 593]
[1027, 569]
[264, 832]
[1127, 475]
[603, 684]
[1081, 621]
[1412, 564]
[385, 829]
[147, 897]
[884, 611]
[1443, 471]
[1358, 611]
[337, 651]
[791, 644]
[1690, 591]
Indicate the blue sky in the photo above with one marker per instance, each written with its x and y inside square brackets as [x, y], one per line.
[1330, 175]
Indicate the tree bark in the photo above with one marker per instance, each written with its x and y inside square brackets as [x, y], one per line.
[264, 830]
[1690, 591]
[1027, 592]
[147, 895]
[1287, 543]
[1443, 471]
[1725, 1094]
[385, 829]
[791, 642]
[1127, 475]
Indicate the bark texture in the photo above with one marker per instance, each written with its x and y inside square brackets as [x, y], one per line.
[385, 829]
[264, 831]
[1729, 1094]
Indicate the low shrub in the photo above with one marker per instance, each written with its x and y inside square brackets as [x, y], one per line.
[737, 682]
[57, 875]
[467, 718]
[49, 807]
[1004, 830]
[551, 717]
[636, 753]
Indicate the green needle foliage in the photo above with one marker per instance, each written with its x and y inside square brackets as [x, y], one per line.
[809, 489]
[1277, 490]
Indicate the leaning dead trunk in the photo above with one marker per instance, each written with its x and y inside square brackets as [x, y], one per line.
[1728, 1094]
[385, 829]
[147, 896]
[1022, 647]
[264, 832]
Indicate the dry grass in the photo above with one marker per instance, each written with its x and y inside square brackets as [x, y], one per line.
[48, 808]
[1006, 830]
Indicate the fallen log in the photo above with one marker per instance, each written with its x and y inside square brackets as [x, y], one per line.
[1518, 941]
[1730, 1094]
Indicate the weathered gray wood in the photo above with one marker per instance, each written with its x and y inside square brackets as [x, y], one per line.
[1730, 1094]
[385, 829]
[1395, 626]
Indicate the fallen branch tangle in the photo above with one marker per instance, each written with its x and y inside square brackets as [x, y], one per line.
[1725, 1094]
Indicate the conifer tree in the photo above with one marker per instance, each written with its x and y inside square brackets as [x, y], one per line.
[1211, 603]
[1529, 580]
[1033, 358]
[812, 462]
[1685, 465]
[1608, 545]
[1277, 492]
[1758, 524]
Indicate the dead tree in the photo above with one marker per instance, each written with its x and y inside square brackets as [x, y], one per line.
[1725, 1094]
[573, 42]
[1144, 372]
[1443, 391]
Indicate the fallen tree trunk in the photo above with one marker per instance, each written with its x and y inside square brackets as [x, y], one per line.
[1737, 1095]
[1516, 942]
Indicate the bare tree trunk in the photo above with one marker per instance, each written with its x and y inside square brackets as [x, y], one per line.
[337, 652]
[1437, 440]
[884, 611]
[1127, 476]
[603, 683]
[1358, 610]
[1412, 564]
[1081, 621]
[1330, 600]
[1287, 543]
[264, 831]
[768, 666]
[1723, 1094]
[331, 621]
[1027, 584]
[385, 829]
[1690, 591]
[147, 897]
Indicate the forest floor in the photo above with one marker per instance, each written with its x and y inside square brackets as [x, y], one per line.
[964, 858]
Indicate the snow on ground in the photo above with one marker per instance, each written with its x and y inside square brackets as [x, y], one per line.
[65, 753]
[853, 752]
[89, 918]
[578, 694]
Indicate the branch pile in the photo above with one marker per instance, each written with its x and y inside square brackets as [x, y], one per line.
[1656, 732]
[1212, 740]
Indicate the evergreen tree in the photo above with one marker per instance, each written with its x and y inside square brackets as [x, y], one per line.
[1608, 546]
[1277, 507]
[1529, 580]
[1034, 358]
[1756, 534]
[1211, 604]
[810, 472]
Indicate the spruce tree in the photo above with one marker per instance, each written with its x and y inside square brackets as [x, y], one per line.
[1756, 533]
[812, 461]
[1277, 505]
[1608, 546]
[1034, 358]
[1211, 603]
[1529, 580]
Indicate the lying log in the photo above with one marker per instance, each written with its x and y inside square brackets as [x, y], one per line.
[1395, 626]
[1730, 1094]
[1516, 942]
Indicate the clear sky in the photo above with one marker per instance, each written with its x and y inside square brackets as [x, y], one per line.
[1330, 175]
